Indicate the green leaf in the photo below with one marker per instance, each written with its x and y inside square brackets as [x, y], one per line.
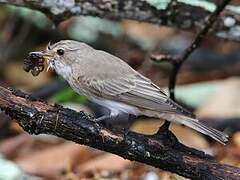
[68, 95]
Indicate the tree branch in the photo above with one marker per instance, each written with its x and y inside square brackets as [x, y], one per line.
[177, 62]
[162, 150]
[184, 14]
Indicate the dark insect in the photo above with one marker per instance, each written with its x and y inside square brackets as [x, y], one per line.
[34, 63]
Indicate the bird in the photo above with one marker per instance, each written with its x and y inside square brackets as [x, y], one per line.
[112, 83]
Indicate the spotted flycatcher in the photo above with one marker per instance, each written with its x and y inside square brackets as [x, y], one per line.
[111, 82]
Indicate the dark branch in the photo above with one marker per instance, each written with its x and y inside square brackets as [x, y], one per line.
[178, 61]
[162, 150]
[183, 15]
[200, 36]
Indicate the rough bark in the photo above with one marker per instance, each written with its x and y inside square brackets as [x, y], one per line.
[182, 14]
[162, 150]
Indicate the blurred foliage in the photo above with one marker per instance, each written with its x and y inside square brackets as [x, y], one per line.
[132, 41]
[83, 28]
[89, 28]
[39, 19]
[10, 171]
[67, 95]
[196, 94]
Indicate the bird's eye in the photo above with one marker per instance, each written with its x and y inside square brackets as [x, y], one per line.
[60, 52]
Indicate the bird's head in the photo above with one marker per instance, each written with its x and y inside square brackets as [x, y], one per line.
[64, 53]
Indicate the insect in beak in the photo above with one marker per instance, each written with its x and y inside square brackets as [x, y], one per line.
[46, 56]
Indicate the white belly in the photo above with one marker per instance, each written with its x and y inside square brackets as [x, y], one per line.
[117, 107]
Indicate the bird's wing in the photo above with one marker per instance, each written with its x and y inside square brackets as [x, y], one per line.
[134, 90]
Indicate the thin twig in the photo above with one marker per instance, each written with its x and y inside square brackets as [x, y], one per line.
[177, 61]
[163, 58]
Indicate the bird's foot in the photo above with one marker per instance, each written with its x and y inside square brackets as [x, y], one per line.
[102, 118]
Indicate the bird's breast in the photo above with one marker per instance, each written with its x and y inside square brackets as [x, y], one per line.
[63, 70]
[117, 107]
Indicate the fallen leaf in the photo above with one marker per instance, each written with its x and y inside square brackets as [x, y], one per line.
[224, 102]
[108, 162]
[184, 134]
[8, 147]
[52, 161]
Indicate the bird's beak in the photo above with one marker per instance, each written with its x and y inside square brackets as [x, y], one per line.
[47, 55]
[41, 55]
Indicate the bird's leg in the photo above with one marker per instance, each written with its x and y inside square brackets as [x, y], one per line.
[110, 116]
[103, 118]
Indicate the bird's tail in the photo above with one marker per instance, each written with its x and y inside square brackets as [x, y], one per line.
[200, 127]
